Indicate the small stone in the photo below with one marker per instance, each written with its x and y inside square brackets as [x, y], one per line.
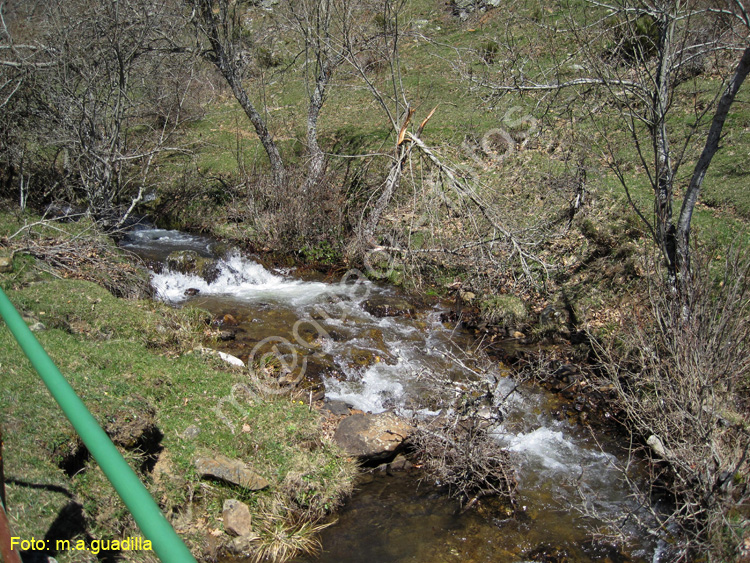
[191, 432]
[226, 335]
[656, 445]
[190, 291]
[518, 335]
[234, 360]
[237, 519]
[38, 327]
[232, 471]
[6, 264]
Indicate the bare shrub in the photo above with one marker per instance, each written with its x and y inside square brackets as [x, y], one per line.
[287, 218]
[680, 376]
[457, 448]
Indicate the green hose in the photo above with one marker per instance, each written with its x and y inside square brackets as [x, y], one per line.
[154, 526]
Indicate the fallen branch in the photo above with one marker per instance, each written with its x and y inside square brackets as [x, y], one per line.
[466, 191]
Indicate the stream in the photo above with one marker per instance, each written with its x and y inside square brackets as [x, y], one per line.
[334, 334]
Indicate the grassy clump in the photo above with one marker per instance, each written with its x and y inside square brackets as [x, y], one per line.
[506, 310]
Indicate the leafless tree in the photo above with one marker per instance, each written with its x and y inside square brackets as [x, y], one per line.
[325, 33]
[220, 24]
[636, 57]
[102, 93]
[322, 26]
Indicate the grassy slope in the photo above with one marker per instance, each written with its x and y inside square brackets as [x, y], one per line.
[123, 357]
[352, 123]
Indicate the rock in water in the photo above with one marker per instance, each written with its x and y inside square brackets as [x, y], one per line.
[381, 306]
[189, 262]
[372, 437]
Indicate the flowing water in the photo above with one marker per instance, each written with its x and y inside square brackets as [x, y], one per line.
[322, 330]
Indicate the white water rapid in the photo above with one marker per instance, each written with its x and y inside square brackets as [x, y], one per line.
[376, 364]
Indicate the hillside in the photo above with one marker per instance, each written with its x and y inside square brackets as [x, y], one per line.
[541, 164]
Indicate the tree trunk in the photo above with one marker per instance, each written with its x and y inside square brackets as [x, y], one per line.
[663, 165]
[316, 166]
[222, 59]
[712, 145]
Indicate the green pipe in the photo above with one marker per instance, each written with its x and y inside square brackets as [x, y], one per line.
[154, 526]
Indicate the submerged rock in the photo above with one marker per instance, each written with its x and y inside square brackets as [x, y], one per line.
[372, 437]
[381, 306]
[227, 335]
[230, 470]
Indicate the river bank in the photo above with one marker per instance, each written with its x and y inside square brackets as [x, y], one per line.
[165, 339]
[373, 351]
[133, 362]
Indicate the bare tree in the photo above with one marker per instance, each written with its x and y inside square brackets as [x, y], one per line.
[321, 24]
[637, 57]
[219, 22]
[92, 105]
[326, 33]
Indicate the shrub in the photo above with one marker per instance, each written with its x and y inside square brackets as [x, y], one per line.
[680, 375]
